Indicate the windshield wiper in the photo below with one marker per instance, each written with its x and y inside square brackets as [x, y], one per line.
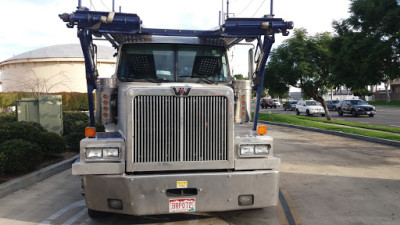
[156, 80]
[208, 80]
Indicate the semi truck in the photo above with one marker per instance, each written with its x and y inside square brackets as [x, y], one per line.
[179, 137]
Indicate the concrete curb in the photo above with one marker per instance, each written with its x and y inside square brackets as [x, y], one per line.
[355, 136]
[34, 177]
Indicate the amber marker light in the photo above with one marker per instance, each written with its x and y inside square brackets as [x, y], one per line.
[90, 132]
[105, 102]
[262, 130]
[105, 96]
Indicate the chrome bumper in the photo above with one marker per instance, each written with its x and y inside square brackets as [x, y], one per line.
[147, 194]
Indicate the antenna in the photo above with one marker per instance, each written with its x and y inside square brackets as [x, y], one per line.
[113, 5]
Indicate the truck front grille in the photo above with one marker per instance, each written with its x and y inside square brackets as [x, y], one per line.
[179, 129]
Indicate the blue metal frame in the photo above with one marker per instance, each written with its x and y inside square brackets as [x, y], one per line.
[107, 24]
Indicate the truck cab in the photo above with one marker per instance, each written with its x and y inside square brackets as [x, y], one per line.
[178, 134]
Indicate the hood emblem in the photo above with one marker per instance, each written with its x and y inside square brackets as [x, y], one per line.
[181, 91]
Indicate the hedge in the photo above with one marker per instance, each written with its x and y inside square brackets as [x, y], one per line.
[19, 155]
[70, 100]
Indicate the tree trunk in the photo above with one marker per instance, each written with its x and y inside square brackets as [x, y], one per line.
[387, 91]
[323, 103]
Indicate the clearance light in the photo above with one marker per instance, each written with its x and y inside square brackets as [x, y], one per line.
[105, 96]
[243, 97]
[105, 102]
[262, 130]
[90, 132]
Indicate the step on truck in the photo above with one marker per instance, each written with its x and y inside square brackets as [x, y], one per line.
[179, 136]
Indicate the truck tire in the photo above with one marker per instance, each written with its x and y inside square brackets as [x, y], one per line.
[308, 113]
[94, 214]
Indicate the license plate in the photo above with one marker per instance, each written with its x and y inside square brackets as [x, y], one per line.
[182, 205]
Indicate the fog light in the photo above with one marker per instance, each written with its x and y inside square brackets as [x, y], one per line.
[115, 203]
[246, 199]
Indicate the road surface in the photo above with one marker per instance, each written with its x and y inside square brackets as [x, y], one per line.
[327, 180]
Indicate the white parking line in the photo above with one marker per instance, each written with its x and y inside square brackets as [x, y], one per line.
[73, 219]
[62, 211]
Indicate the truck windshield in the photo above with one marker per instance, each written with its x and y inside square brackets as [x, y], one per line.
[173, 63]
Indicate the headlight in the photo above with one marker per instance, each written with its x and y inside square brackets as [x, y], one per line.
[102, 153]
[247, 150]
[262, 149]
[255, 150]
[93, 153]
[110, 153]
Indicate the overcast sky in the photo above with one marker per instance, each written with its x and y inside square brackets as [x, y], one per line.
[30, 24]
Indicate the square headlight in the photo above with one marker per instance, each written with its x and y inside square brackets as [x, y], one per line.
[110, 153]
[93, 153]
[247, 149]
[262, 149]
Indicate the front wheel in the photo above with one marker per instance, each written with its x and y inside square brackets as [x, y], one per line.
[284, 109]
[297, 112]
[308, 113]
[371, 115]
[323, 115]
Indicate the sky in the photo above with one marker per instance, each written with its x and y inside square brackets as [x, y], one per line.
[30, 24]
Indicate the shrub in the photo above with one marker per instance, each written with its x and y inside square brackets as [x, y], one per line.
[6, 117]
[73, 140]
[51, 143]
[21, 155]
[74, 121]
[3, 160]
[28, 131]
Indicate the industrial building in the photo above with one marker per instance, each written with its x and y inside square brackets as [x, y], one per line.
[58, 68]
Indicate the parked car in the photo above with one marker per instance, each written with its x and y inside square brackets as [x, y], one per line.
[265, 103]
[355, 108]
[332, 104]
[290, 105]
[309, 107]
[277, 103]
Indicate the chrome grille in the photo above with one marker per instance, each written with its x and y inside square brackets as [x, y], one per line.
[174, 129]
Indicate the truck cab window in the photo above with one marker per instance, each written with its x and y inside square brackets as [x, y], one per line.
[173, 63]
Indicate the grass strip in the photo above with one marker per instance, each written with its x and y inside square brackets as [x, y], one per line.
[294, 120]
[351, 124]
[394, 103]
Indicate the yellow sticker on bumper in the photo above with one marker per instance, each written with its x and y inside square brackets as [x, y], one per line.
[181, 184]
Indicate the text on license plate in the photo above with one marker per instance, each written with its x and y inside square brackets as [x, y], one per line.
[182, 205]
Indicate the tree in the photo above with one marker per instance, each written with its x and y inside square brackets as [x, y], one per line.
[239, 77]
[304, 62]
[367, 45]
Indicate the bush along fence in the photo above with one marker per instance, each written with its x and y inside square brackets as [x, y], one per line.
[25, 145]
[74, 101]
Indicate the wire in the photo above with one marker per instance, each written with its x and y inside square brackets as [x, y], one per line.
[245, 8]
[91, 3]
[258, 8]
[105, 5]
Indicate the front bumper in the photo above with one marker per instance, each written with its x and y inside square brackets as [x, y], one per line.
[364, 112]
[147, 194]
